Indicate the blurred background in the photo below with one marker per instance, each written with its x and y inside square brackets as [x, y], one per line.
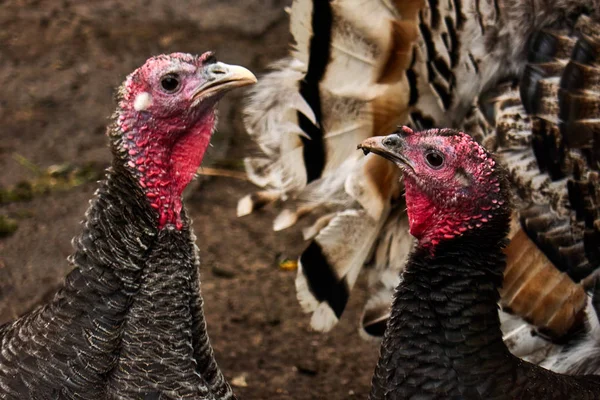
[60, 62]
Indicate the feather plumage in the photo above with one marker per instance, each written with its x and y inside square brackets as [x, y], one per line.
[521, 77]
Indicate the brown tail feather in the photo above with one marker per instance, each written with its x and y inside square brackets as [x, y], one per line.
[535, 290]
[404, 34]
[409, 9]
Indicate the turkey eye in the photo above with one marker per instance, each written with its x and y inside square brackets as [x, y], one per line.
[434, 159]
[170, 83]
[210, 59]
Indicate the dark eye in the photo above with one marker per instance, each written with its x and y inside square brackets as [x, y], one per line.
[434, 159]
[170, 83]
[211, 59]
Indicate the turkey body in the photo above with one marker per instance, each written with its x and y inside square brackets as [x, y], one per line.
[443, 338]
[165, 352]
[65, 349]
[129, 322]
[141, 329]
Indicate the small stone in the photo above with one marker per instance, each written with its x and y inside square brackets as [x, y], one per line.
[256, 339]
[307, 367]
[223, 271]
[239, 381]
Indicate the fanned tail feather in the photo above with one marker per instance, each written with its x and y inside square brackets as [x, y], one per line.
[375, 314]
[386, 265]
[343, 241]
[328, 268]
[360, 67]
[344, 81]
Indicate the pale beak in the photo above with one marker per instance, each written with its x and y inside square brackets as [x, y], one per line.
[221, 78]
[389, 147]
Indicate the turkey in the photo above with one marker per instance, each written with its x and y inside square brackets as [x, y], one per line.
[129, 321]
[521, 77]
[443, 338]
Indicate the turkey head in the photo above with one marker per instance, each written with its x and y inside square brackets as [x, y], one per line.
[165, 118]
[453, 185]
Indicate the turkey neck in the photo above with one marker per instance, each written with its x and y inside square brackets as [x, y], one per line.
[444, 323]
[118, 234]
[162, 156]
[166, 350]
[88, 312]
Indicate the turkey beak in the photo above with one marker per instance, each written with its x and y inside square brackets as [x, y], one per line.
[220, 78]
[389, 147]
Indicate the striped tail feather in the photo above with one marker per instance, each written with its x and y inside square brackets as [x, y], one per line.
[342, 83]
[538, 292]
[388, 260]
[548, 267]
[342, 241]
[328, 268]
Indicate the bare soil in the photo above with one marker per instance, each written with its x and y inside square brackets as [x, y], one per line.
[60, 61]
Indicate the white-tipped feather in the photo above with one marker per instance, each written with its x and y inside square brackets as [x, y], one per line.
[314, 229]
[244, 206]
[287, 218]
[323, 318]
[247, 203]
[284, 220]
[362, 93]
[307, 300]
[345, 242]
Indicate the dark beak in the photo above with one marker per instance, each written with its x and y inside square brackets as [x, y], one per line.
[221, 78]
[389, 147]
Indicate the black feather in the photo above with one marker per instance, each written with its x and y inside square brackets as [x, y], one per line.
[319, 54]
[323, 283]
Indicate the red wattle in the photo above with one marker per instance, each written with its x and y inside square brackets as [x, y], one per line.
[165, 159]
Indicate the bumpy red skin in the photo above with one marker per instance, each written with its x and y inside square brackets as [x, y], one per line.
[436, 199]
[165, 142]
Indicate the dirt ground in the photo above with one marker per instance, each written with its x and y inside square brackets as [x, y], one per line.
[60, 61]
